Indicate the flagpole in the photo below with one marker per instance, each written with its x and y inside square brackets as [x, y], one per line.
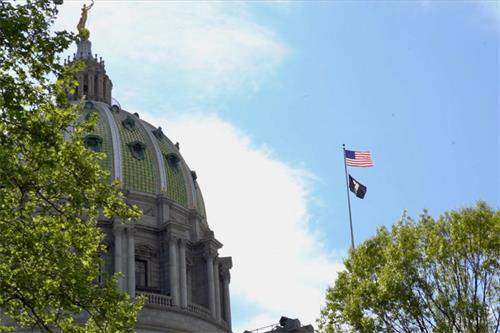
[348, 198]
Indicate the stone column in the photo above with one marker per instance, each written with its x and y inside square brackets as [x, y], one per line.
[100, 86]
[209, 257]
[117, 232]
[173, 269]
[217, 290]
[183, 273]
[130, 261]
[109, 87]
[91, 86]
[226, 278]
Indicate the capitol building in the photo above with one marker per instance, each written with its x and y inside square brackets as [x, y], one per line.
[170, 255]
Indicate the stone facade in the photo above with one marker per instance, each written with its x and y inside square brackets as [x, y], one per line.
[173, 262]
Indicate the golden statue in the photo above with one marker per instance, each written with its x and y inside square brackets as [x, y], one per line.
[84, 32]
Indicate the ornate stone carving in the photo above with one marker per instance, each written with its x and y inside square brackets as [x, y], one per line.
[209, 253]
[225, 265]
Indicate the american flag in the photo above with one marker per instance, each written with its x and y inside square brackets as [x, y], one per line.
[358, 158]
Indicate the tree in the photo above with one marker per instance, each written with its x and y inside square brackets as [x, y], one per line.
[52, 191]
[434, 275]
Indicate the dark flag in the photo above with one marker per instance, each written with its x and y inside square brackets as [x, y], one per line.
[357, 188]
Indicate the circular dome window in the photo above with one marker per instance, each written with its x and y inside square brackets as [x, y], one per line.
[173, 159]
[137, 149]
[115, 108]
[88, 105]
[93, 142]
[129, 123]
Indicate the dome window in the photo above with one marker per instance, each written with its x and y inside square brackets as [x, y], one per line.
[88, 105]
[129, 123]
[158, 133]
[173, 160]
[137, 149]
[115, 108]
[93, 142]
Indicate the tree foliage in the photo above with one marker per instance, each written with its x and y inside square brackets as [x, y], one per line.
[434, 275]
[52, 190]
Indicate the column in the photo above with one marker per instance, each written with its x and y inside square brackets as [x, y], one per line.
[226, 278]
[109, 86]
[211, 285]
[217, 290]
[183, 278]
[91, 86]
[130, 261]
[173, 269]
[117, 232]
[104, 87]
[99, 92]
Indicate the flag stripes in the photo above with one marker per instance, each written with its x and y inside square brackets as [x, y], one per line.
[358, 158]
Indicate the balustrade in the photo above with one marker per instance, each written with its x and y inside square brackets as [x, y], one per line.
[157, 299]
[165, 301]
[199, 309]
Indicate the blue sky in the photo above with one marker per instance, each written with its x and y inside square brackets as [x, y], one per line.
[262, 95]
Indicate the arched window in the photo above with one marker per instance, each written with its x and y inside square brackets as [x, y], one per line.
[138, 149]
[129, 123]
[86, 85]
[115, 108]
[173, 160]
[93, 142]
[96, 85]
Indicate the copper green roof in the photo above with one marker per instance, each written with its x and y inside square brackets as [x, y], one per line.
[103, 132]
[176, 180]
[142, 158]
[138, 174]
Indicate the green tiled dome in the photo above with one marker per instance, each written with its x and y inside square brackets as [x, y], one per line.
[142, 157]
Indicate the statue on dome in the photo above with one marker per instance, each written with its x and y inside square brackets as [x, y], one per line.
[82, 31]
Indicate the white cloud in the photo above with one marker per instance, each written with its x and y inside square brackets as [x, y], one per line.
[207, 47]
[258, 207]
